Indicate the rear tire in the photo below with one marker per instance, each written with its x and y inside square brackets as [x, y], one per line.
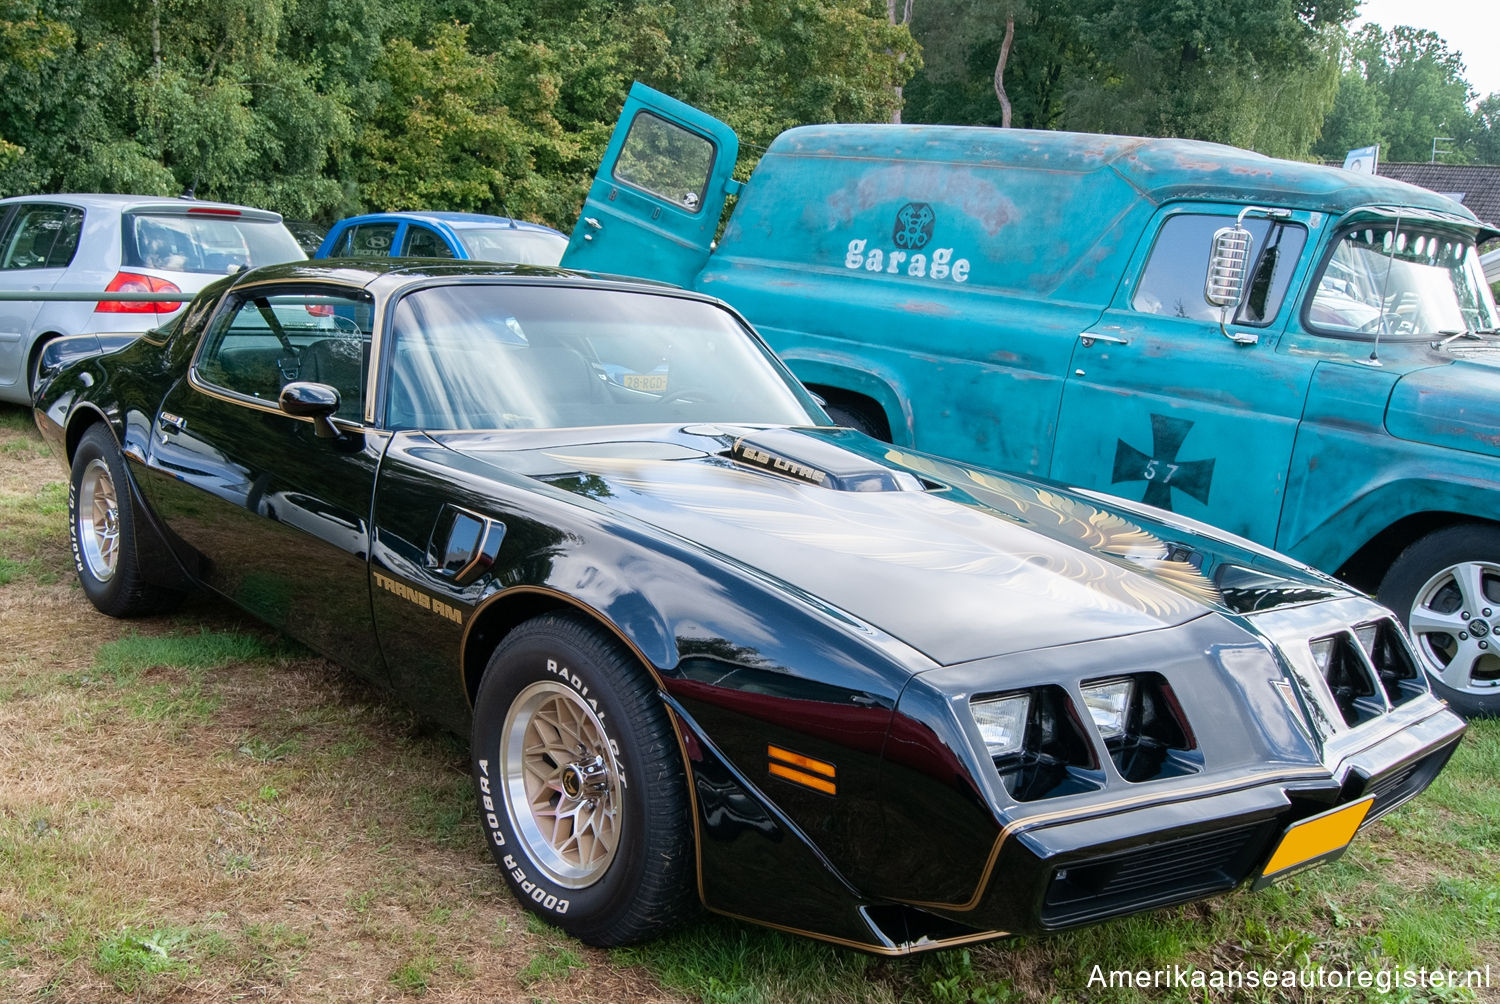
[1446, 589]
[103, 532]
[582, 791]
[861, 418]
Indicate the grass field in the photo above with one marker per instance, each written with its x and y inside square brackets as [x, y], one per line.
[194, 809]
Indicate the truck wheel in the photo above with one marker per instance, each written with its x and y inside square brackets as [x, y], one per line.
[102, 528]
[581, 786]
[860, 419]
[1446, 587]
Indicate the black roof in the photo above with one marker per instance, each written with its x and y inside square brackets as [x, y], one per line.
[1477, 186]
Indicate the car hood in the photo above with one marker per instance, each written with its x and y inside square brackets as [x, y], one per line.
[1452, 405]
[956, 562]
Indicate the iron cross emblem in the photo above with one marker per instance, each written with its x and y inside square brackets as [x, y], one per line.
[1161, 470]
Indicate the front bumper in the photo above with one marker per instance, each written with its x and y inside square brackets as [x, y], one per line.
[1050, 875]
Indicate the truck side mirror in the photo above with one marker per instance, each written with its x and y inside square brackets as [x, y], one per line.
[1227, 265]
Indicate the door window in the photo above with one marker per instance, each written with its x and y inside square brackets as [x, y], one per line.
[266, 340]
[42, 236]
[424, 242]
[666, 160]
[1172, 282]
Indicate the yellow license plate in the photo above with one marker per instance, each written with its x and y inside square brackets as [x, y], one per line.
[1315, 840]
[656, 383]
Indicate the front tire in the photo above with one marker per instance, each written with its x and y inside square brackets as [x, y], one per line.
[1446, 589]
[581, 787]
[103, 533]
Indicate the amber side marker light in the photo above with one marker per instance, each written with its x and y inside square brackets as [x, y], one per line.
[804, 770]
[1315, 840]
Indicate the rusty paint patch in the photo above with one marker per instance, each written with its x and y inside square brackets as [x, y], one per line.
[928, 307]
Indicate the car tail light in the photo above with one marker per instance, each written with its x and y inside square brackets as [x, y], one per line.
[1036, 741]
[131, 282]
[320, 309]
[1142, 726]
[212, 211]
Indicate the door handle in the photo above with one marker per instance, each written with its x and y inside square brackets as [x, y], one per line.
[593, 223]
[1088, 338]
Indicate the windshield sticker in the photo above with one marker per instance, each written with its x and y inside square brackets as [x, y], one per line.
[911, 233]
[1161, 470]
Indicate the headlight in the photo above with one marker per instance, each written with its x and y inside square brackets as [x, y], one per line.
[1002, 723]
[1109, 705]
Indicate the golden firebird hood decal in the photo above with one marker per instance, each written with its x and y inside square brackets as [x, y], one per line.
[1023, 544]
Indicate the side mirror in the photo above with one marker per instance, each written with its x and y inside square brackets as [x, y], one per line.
[317, 401]
[1227, 265]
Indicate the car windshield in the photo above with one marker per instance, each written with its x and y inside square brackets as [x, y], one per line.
[1407, 282]
[525, 247]
[506, 356]
[205, 243]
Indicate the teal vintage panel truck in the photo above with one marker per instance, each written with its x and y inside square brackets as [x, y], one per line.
[1302, 355]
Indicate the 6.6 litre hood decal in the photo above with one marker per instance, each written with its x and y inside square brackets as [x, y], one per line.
[994, 575]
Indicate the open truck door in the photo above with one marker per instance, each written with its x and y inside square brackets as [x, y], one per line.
[655, 204]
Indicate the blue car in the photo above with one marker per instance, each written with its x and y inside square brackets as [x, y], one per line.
[443, 235]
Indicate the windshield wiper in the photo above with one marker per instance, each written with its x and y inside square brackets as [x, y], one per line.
[1479, 333]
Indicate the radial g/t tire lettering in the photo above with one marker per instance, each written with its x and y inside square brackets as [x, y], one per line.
[581, 787]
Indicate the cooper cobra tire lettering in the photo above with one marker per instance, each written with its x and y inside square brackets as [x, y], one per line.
[569, 726]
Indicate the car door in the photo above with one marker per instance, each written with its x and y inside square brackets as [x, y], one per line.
[424, 242]
[1160, 406]
[270, 513]
[37, 241]
[655, 203]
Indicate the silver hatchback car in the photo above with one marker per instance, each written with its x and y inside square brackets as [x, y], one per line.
[116, 243]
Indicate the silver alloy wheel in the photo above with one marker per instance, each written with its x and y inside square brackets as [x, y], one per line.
[98, 521]
[1453, 620]
[562, 784]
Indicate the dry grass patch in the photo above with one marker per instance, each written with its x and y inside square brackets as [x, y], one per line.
[192, 809]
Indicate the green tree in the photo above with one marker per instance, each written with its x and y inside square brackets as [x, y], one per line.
[1260, 75]
[1403, 88]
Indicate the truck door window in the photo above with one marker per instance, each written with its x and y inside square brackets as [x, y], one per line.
[1172, 281]
[666, 160]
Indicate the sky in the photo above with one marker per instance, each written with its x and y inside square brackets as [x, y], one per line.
[1470, 27]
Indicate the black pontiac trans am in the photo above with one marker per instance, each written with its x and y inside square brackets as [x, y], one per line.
[711, 648]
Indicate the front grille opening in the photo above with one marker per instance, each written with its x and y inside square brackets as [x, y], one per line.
[1055, 758]
[1389, 654]
[1146, 732]
[1172, 871]
[1348, 677]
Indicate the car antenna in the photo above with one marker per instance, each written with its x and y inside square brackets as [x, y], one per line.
[1385, 285]
[508, 216]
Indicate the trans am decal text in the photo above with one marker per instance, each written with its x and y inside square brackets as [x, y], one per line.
[421, 599]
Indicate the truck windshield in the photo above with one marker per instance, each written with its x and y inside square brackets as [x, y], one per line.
[1409, 282]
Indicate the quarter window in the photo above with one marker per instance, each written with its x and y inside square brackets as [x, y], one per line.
[42, 236]
[366, 240]
[264, 341]
[1172, 282]
[666, 160]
